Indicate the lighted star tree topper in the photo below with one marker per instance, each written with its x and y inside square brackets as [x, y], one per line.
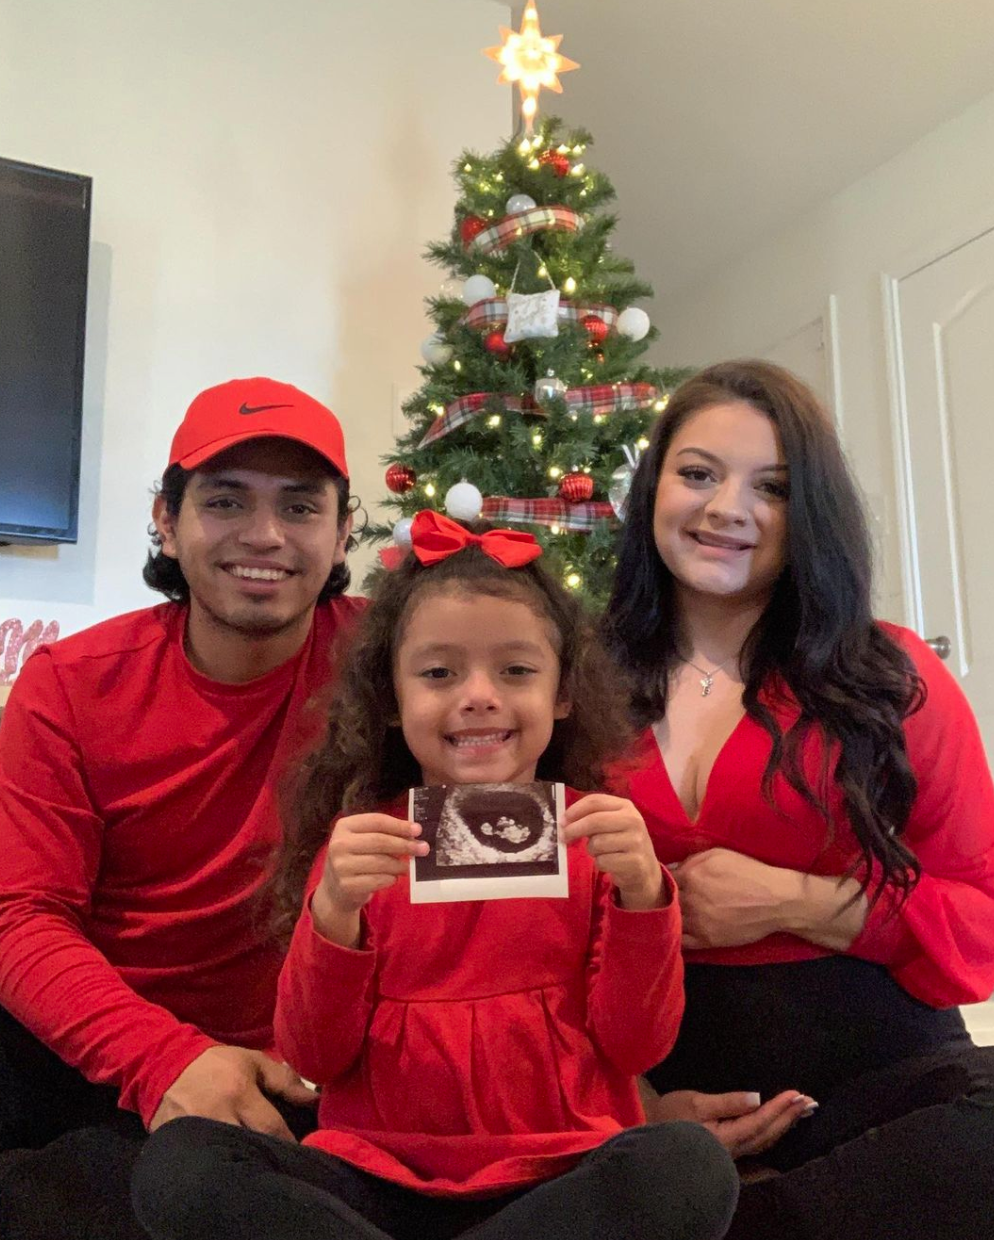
[532, 60]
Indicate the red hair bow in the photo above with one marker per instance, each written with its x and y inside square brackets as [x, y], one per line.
[434, 537]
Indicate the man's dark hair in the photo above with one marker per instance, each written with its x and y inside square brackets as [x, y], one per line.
[163, 573]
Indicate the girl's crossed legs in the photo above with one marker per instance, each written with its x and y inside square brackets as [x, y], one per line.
[200, 1179]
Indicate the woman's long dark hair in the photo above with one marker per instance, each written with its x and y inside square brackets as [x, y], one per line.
[163, 573]
[816, 637]
[363, 761]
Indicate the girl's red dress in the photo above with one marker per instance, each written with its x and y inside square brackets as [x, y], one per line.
[473, 1048]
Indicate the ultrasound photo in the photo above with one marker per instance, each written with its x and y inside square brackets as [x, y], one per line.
[488, 842]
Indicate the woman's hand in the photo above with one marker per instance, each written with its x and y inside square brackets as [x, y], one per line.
[742, 1125]
[366, 854]
[728, 899]
[619, 843]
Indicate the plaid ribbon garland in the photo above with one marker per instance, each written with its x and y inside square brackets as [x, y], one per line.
[522, 224]
[460, 411]
[597, 400]
[611, 398]
[493, 311]
[577, 518]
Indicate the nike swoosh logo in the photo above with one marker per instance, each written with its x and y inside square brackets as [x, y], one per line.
[261, 408]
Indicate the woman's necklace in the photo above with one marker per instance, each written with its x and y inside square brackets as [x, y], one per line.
[707, 678]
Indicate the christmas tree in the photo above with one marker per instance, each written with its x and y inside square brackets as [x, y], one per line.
[534, 404]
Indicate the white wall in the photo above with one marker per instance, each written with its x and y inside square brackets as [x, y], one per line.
[266, 176]
[936, 195]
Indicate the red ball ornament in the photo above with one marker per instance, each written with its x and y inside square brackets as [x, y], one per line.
[400, 479]
[495, 343]
[596, 329]
[558, 162]
[576, 488]
[471, 226]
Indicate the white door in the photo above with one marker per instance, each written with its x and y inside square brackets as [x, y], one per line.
[945, 356]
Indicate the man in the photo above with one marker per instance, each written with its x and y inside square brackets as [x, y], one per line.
[140, 764]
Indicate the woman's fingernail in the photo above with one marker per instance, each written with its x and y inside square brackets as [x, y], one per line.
[753, 1100]
[809, 1110]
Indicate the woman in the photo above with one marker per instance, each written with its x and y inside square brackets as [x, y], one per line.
[818, 782]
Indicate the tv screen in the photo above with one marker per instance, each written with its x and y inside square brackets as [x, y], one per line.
[44, 251]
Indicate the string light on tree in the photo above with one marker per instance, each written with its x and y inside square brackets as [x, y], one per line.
[532, 61]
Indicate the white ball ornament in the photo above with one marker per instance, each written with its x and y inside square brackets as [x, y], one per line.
[463, 502]
[633, 323]
[519, 202]
[478, 288]
[435, 351]
[402, 532]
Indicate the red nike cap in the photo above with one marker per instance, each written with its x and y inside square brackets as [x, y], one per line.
[244, 409]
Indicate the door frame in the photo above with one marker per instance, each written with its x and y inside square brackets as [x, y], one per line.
[900, 430]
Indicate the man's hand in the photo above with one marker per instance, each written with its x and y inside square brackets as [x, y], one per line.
[226, 1083]
[619, 844]
[740, 1123]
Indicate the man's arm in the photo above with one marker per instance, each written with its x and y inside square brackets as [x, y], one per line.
[52, 978]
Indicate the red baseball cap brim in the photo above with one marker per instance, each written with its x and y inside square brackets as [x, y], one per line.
[244, 409]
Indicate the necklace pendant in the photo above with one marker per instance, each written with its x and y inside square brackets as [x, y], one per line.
[706, 683]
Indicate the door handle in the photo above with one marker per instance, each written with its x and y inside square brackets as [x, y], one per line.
[942, 646]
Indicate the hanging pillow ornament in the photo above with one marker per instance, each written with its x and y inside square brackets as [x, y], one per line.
[531, 316]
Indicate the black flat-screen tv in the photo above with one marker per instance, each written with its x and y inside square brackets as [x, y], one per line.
[44, 253]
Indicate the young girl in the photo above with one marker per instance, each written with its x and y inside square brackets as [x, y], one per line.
[475, 1059]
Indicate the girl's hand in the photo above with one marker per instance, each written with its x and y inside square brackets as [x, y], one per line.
[619, 843]
[366, 853]
[728, 899]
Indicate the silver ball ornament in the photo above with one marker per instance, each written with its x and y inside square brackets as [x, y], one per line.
[402, 532]
[618, 491]
[519, 202]
[549, 387]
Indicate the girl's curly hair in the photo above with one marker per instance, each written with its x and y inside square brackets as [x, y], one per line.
[363, 761]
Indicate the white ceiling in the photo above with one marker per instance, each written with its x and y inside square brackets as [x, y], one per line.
[719, 121]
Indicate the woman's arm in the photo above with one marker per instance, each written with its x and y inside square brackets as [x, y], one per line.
[939, 943]
[729, 899]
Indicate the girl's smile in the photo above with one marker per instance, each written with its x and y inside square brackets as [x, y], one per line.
[477, 685]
